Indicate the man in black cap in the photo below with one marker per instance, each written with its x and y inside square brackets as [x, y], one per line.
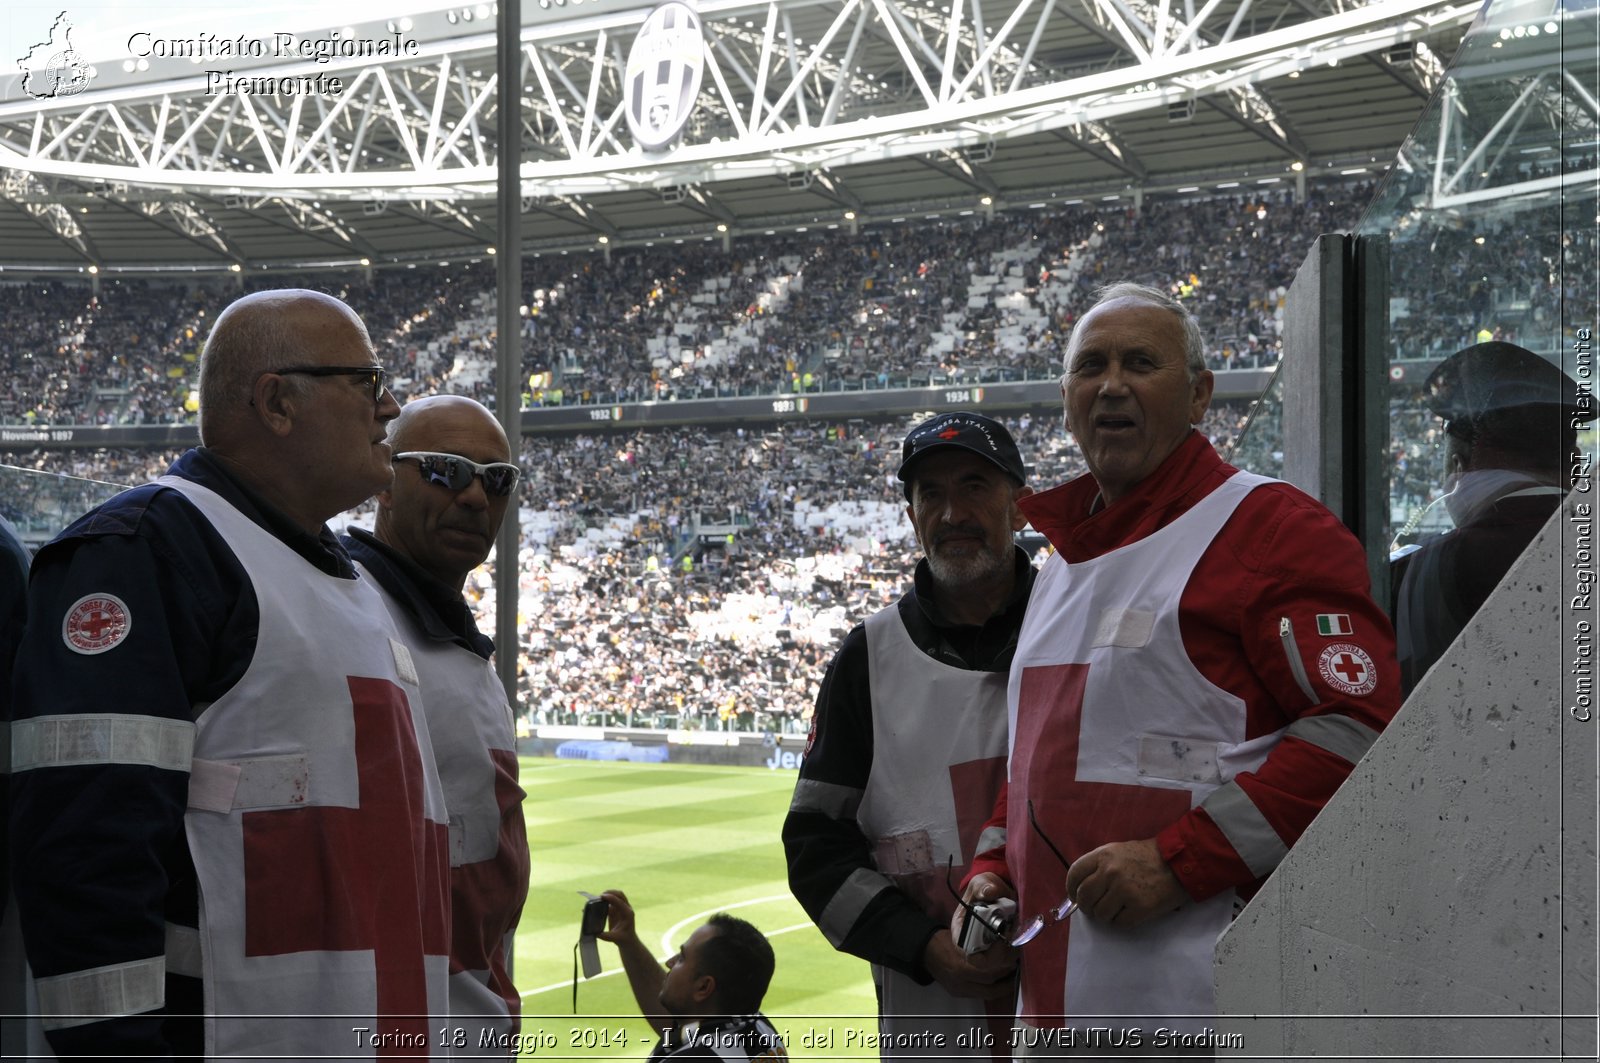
[1511, 455]
[907, 748]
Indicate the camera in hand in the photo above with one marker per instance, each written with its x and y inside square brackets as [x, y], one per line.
[986, 924]
[594, 917]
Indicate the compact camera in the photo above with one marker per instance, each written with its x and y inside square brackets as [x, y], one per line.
[595, 911]
[985, 925]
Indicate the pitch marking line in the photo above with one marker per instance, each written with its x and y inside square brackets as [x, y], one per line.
[667, 946]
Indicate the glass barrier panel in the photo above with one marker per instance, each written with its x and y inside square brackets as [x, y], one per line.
[40, 504]
[1259, 446]
[1490, 217]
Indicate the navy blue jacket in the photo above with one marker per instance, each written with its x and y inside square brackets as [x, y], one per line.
[439, 610]
[13, 613]
[99, 850]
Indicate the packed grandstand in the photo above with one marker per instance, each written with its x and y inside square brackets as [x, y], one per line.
[648, 587]
[965, 299]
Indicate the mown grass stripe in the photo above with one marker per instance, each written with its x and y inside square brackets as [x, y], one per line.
[681, 841]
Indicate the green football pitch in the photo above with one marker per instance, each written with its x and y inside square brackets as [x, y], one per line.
[682, 841]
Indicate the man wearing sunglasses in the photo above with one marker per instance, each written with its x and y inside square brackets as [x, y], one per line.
[228, 827]
[907, 749]
[453, 481]
[1201, 665]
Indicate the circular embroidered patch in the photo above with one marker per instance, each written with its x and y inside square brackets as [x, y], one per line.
[96, 623]
[1347, 668]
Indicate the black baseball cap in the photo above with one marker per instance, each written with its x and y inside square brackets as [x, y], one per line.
[982, 435]
[1488, 377]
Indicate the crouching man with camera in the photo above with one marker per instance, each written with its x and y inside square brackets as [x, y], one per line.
[706, 1001]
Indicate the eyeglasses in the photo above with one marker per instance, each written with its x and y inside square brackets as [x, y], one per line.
[377, 375]
[1002, 928]
[1061, 912]
[456, 473]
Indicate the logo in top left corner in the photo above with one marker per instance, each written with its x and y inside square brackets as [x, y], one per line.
[53, 68]
[96, 623]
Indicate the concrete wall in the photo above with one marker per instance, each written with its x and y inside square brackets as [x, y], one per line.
[1443, 905]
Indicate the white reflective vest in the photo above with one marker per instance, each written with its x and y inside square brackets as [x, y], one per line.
[939, 746]
[317, 825]
[474, 746]
[1114, 736]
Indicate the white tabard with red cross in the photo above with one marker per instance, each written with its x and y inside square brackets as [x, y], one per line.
[1115, 735]
[317, 826]
[938, 759]
[474, 746]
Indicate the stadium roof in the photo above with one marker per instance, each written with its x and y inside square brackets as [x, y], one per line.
[808, 111]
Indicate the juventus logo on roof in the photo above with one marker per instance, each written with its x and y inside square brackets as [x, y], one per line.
[663, 74]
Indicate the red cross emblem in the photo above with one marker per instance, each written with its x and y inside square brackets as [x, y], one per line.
[949, 433]
[486, 896]
[1347, 666]
[327, 878]
[975, 785]
[1077, 815]
[96, 623]
[1348, 669]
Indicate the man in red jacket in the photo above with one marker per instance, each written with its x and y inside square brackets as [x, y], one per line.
[1200, 666]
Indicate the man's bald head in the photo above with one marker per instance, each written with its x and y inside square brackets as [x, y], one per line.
[287, 403]
[426, 418]
[259, 333]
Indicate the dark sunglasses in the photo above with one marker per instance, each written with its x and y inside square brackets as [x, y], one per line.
[456, 473]
[1019, 934]
[376, 375]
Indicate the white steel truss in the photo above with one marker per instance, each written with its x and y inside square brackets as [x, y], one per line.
[791, 87]
[1518, 116]
[1471, 166]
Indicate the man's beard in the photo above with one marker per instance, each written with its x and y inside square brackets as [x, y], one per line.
[971, 570]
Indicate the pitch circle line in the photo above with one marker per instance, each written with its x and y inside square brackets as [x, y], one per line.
[667, 946]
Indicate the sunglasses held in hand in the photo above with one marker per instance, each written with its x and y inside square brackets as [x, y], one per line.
[454, 472]
[997, 920]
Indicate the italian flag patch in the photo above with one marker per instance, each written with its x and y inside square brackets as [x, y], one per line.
[1333, 623]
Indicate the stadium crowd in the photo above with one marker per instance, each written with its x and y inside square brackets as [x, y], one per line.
[646, 584]
[968, 299]
[637, 606]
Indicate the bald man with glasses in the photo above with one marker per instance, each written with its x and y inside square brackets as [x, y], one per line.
[229, 834]
[452, 485]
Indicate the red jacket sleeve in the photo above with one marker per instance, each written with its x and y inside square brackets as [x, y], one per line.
[991, 855]
[1279, 612]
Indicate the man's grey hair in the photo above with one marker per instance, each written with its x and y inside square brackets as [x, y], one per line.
[1194, 345]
